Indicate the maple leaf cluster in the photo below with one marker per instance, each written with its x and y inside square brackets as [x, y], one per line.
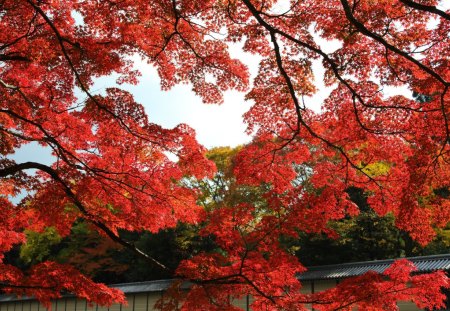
[118, 171]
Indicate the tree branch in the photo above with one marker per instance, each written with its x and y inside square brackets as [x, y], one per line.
[426, 8]
[11, 170]
[370, 34]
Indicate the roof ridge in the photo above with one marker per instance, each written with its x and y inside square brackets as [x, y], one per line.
[380, 261]
[143, 282]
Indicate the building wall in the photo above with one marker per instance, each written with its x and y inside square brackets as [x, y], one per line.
[310, 287]
[136, 302]
[321, 285]
[243, 303]
[146, 301]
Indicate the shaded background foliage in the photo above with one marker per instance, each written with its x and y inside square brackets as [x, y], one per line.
[366, 236]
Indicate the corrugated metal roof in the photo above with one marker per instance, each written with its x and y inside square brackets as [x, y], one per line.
[7, 298]
[148, 286]
[423, 264]
[127, 288]
[140, 287]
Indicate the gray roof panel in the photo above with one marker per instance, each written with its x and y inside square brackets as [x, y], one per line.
[151, 286]
[423, 264]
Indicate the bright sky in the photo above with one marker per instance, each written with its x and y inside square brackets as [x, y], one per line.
[215, 125]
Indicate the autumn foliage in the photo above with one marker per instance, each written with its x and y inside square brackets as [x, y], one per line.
[118, 171]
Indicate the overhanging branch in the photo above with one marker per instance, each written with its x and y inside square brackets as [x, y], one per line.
[11, 170]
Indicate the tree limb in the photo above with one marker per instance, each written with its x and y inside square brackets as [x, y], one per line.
[11, 170]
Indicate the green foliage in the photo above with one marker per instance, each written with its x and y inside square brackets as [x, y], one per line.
[364, 237]
[422, 98]
[39, 245]
[440, 244]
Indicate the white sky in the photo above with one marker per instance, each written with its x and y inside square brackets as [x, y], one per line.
[215, 125]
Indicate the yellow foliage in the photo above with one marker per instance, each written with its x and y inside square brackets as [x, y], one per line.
[377, 169]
